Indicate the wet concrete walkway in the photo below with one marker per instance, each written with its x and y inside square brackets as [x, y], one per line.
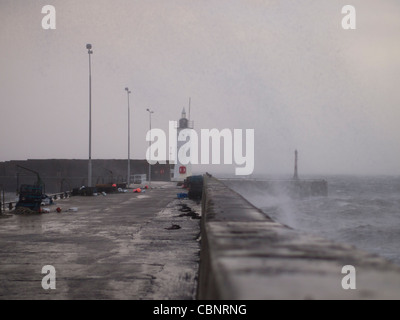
[119, 246]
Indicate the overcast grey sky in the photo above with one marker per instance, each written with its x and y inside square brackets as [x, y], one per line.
[284, 68]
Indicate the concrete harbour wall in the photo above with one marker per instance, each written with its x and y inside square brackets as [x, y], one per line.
[247, 255]
[65, 174]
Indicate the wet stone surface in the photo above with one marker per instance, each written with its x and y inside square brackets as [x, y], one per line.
[119, 246]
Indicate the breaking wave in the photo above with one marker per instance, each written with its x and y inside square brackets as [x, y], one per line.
[361, 211]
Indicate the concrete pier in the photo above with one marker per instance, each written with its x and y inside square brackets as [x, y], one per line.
[145, 246]
[246, 255]
[119, 246]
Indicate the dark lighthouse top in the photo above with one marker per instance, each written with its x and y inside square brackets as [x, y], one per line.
[183, 121]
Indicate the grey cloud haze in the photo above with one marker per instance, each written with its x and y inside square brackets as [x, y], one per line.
[284, 68]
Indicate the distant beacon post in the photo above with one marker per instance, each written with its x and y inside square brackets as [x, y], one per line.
[296, 175]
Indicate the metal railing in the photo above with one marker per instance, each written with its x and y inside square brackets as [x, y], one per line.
[10, 205]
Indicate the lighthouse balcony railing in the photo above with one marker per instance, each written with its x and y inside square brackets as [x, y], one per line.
[190, 125]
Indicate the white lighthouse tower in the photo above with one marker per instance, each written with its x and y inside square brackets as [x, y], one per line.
[182, 171]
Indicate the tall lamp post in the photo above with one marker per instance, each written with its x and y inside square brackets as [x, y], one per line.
[90, 52]
[150, 113]
[129, 140]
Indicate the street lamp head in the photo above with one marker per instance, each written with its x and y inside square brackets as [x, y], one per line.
[89, 47]
[126, 89]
